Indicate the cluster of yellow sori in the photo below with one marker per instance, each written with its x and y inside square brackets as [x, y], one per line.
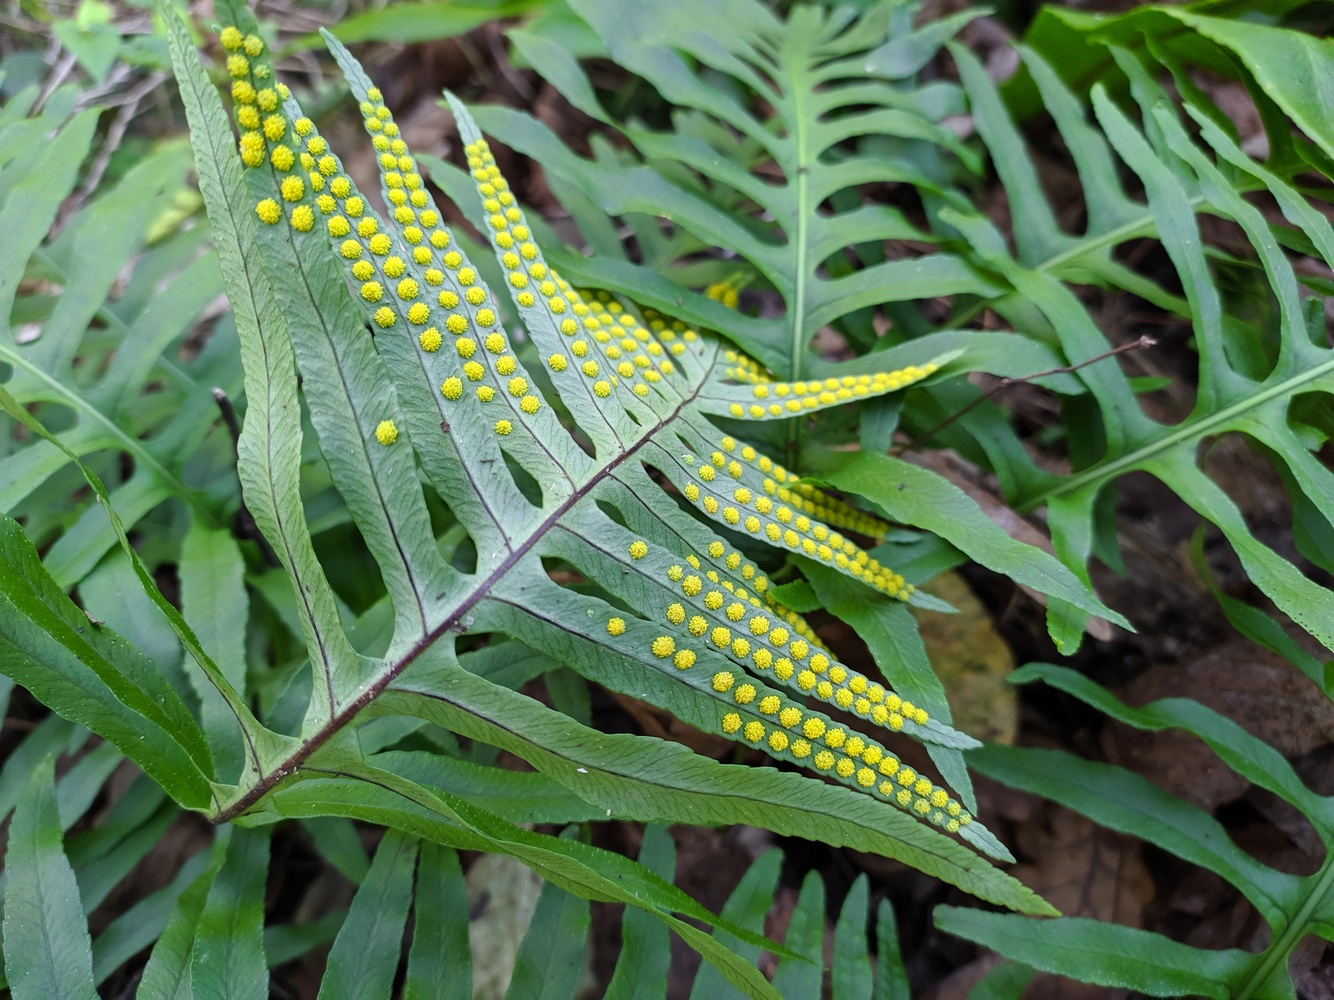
[727, 291]
[390, 285]
[773, 479]
[784, 729]
[787, 398]
[758, 632]
[794, 516]
[608, 345]
[486, 365]
[258, 99]
[611, 347]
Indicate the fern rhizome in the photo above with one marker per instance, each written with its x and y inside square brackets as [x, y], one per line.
[605, 437]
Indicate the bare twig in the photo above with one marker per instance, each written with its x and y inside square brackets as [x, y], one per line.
[1143, 343]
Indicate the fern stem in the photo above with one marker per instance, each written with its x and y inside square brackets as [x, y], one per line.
[1191, 429]
[800, 270]
[268, 781]
[1297, 928]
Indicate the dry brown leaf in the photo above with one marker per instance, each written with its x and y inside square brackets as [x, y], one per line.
[1258, 690]
[1084, 870]
[972, 662]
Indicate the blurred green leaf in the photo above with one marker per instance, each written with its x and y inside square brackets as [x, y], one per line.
[47, 949]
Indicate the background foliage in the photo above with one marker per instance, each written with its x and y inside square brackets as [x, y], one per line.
[842, 228]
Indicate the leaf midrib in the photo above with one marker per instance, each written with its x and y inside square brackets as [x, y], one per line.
[1283, 942]
[1179, 435]
[450, 622]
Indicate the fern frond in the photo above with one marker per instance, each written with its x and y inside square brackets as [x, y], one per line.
[1294, 906]
[1239, 390]
[683, 618]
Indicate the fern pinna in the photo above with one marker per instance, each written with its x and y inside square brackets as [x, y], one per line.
[606, 438]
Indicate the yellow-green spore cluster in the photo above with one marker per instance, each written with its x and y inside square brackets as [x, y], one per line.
[778, 483]
[407, 274]
[773, 640]
[785, 730]
[727, 291]
[785, 512]
[265, 130]
[713, 612]
[449, 307]
[607, 346]
[531, 282]
[777, 399]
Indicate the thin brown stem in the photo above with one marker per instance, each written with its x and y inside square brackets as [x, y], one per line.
[1143, 343]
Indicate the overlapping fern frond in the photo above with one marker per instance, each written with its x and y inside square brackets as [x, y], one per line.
[861, 108]
[618, 444]
[687, 621]
[1269, 381]
[610, 439]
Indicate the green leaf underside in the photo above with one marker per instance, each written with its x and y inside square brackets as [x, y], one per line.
[639, 387]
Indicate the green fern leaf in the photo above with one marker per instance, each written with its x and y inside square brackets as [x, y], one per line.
[637, 488]
[1238, 392]
[1294, 906]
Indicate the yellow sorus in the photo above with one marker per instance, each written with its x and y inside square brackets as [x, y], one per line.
[251, 145]
[268, 211]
